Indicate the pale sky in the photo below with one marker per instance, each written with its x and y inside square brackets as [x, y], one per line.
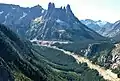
[108, 10]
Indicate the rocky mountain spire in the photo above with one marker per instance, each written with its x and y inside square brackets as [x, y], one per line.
[57, 20]
[68, 8]
[64, 7]
[51, 6]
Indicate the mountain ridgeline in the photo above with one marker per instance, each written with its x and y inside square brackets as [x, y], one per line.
[60, 24]
[99, 26]
[54, 23]
[104, 28]
[18, 18]
[114, 31]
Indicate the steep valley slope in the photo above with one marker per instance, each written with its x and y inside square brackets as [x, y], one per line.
[22, 61]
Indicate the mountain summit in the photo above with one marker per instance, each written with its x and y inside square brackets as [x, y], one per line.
[18, 18]
[60, 24]
[98, 26]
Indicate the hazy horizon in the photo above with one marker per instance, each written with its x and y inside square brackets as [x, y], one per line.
[105, 10]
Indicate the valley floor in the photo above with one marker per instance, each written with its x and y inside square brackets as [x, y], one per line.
[106, 73]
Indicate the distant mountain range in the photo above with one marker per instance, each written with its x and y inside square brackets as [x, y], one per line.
[114, 30]
[99, 26]
[104, 28]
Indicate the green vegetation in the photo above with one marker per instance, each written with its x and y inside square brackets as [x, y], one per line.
[27, 62]
[100, 54]
[75, 46]
[99, 51]
[117, 71]
[67, 67]
[20, 77]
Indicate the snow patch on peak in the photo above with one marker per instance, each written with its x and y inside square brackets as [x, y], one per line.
[87, 23]
[38, 20]
[59, 21]
[43, 11]
[101, 23]
[61, 30]
[1, 12]
[13, 8]
[24, 15]
[116, 23]
[7, 15]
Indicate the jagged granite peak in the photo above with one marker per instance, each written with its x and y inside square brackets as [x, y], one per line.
[64, 8]
[19, 18]
[60, 24]
[51, 6]
[68, 8]
[63, 14]
[37, 7]
[61, 7]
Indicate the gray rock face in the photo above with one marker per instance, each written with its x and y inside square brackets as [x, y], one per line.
[60, 24]
[51, 24]
[51, 6]
[114, 31]
[115, 57]
[19, 18]
[93, 49]
[99, 26]
[105, 55]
